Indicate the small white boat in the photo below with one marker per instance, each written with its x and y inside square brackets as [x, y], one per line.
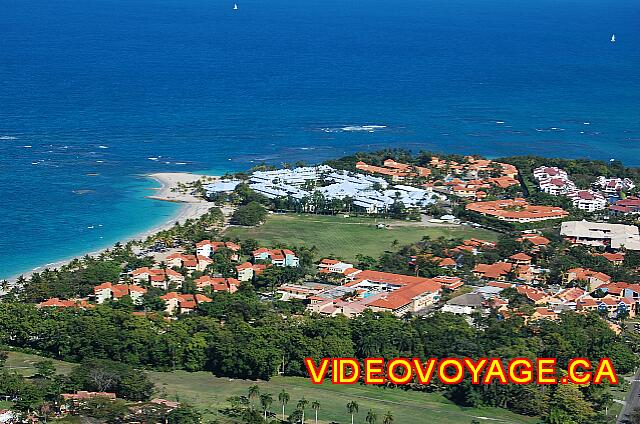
[235, 6]
[613, 38]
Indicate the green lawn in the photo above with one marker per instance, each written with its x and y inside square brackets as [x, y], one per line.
[210, 393]
[346, 237]
[24, 363]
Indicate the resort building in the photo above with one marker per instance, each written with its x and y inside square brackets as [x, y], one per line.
[158, 278]
[189, 262]
[55, 302]
[516, 210]
[616, 259]
[411, 298]
[556, 186]
[298, 291]
[520, 259]
[333, 266]
[593, 279]
[538, 297]
[109, 291]
[381, 291]
[497, 271]
[466, 304]
[614, 185]
[278, 257]
[614, 236]
[217, 284]
[614, 308]
[177, 303]
[247, 271]
[587, 200]
[537, 241]
[396, 170]
[553, 180]
[630, 205]
[369, 194]
[221, 186]
[207, 248]
[547, 172]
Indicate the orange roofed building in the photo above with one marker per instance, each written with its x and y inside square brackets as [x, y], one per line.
[55, 302]
[516, 210]
[497, 271]
[538, 297]
[396, 170]
[183, 303]
[593, 279]
[159, 278]
[217, 284]
[190, 262]
[381, 291]
[208, 248]
[109, 291]
[247, 270]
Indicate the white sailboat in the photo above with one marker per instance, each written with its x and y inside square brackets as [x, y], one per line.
[235, 6]
[613, 38]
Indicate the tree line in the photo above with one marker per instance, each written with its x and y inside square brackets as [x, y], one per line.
[241, 337]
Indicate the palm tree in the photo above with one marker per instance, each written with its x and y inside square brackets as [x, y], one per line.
[254, 391]
[371, 417]
[283, 397]
[266, 400]
[352, 407]
[316, 405]
[388, 418]
[302, 404]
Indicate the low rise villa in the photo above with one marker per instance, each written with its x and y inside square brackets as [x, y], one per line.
[108, 291]
[190, 262]
[177, 303]
[216, 284]
[516, 210]
[247, 271]
[278, 257]
[157, 277]
[207, 248]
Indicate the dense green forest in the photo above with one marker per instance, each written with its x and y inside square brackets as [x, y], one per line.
[240, 336]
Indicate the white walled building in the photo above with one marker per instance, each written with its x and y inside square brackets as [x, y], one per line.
[588, 200]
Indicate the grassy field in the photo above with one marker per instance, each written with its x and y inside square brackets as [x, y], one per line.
[209, 393]
[346, 237]
[24, 364]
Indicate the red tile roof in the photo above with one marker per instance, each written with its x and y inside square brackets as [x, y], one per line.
[520, 257]
[498, 269]
[405, 295]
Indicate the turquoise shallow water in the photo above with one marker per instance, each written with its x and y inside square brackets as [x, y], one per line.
[103, 86]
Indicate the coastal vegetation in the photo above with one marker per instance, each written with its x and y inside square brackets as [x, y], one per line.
[251, 214]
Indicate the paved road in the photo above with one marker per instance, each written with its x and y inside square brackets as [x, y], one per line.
[633, 399]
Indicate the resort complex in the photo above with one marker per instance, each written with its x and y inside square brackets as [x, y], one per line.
[436, 253]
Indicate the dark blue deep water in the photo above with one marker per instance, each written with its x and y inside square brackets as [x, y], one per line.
[201, 87]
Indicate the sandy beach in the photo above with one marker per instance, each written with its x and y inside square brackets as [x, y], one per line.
[191, 207]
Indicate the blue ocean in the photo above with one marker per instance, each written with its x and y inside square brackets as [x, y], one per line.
[94, 94]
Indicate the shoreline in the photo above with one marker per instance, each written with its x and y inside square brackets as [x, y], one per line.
[191, 207]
